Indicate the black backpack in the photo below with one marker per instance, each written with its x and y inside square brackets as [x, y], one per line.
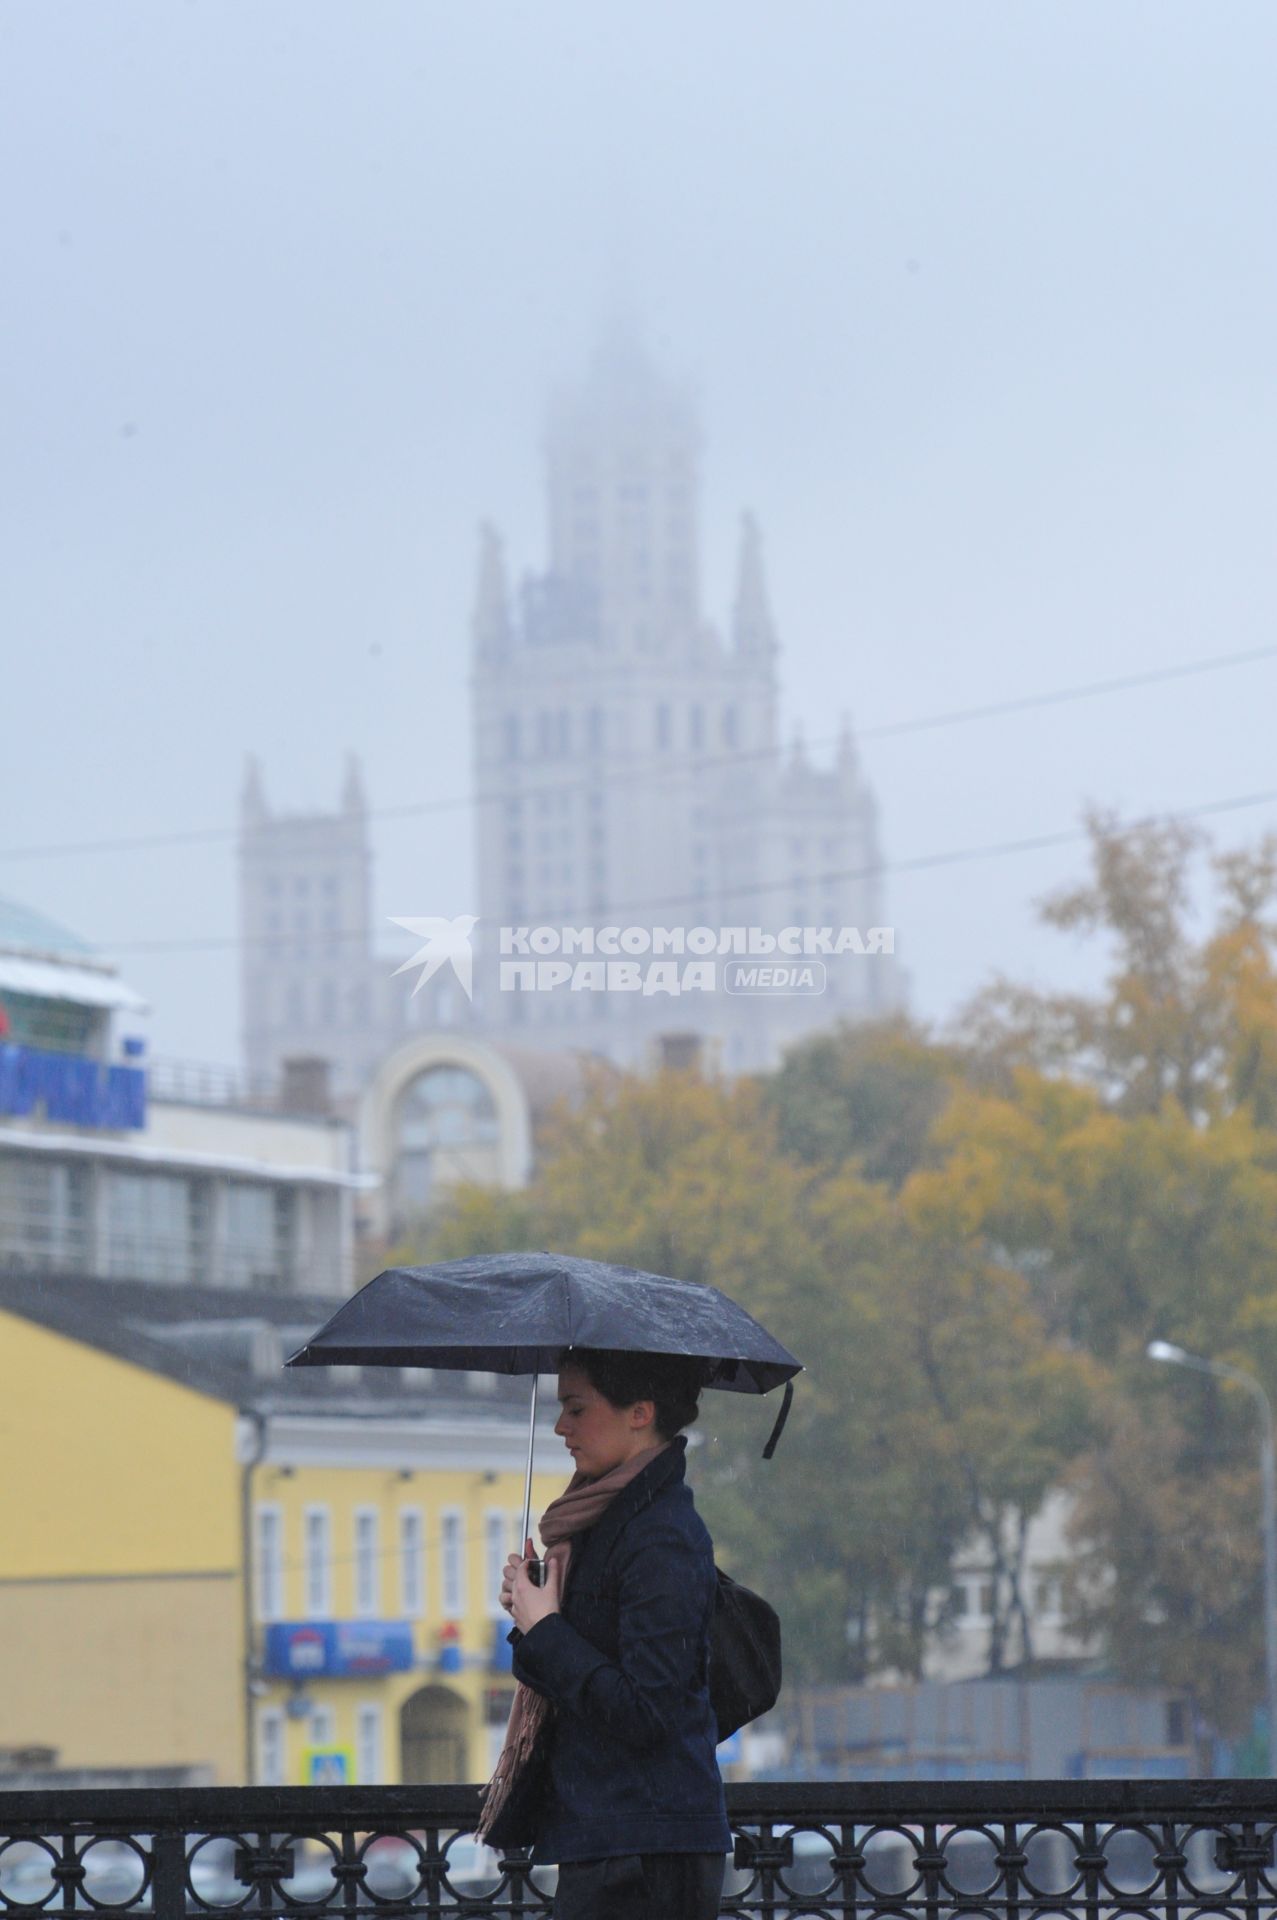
[744, 1655]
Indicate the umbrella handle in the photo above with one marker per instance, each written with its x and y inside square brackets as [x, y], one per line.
[527, 1485]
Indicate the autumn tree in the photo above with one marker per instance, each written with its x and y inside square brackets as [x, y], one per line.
[912, 1426]
[1182, 1017]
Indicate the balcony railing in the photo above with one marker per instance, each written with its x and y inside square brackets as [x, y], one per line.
[991, 1850]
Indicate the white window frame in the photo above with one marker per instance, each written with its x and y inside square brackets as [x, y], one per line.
[1048, 1597]
[412, 1563]
[322, 1725]
[272, 1752]
[496, 1532]
[975, 1586]
[369, 1758]
[268, 1561]
[452, 1562]
[318, 1567]
[367, 1564]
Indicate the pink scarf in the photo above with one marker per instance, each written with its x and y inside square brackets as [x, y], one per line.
[579, 1507]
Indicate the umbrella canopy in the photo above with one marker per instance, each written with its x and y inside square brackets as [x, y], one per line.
[516, 1312]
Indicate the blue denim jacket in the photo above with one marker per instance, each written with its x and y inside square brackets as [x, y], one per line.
[631, 1766]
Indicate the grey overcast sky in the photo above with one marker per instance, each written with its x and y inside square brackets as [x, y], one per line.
[978, 297]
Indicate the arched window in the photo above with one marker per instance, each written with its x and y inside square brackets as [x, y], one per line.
[446, 1108]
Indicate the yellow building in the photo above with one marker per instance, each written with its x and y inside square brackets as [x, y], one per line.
[153, 1453]
[378, 1544]
[121, 1623]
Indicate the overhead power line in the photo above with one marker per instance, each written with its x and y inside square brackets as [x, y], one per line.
[614, 912]
[657, 767]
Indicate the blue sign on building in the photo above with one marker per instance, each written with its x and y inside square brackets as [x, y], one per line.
[335, 1649]
[71, 1088]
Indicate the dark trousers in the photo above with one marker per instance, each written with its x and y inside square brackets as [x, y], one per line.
[641, 1886]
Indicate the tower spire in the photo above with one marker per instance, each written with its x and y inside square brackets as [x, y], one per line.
[847, 762]
[752, 631]
[353, 798]
[490, 628]
[252, 795]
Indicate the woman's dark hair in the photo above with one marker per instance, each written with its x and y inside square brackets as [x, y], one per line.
[671, 1382]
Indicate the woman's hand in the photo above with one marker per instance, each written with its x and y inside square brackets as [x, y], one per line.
[528, 1604]
[512, 1566]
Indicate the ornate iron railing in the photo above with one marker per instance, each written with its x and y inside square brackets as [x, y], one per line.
[1000, 1850]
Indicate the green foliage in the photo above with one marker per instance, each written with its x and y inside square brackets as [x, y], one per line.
[868, 1094]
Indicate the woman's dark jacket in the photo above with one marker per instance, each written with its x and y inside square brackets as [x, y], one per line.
[630, 1766]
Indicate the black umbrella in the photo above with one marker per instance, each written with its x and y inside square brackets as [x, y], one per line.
[517, 1312]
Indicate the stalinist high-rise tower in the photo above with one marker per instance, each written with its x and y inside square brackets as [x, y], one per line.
[627, 764]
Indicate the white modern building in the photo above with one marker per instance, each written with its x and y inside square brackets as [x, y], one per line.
[110, 1169]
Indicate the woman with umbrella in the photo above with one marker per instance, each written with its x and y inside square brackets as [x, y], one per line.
[609, 1764]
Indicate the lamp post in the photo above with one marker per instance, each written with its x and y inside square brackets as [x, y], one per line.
[1176, 1357]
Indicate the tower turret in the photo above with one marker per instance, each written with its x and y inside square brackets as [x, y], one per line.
[252, 794]
[353, 797]
[753, 634]
[490, 627]
[846, 759]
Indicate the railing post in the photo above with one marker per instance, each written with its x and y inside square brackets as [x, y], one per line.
[168, 1875]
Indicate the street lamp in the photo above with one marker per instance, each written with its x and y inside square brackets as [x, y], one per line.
[1176, 1357]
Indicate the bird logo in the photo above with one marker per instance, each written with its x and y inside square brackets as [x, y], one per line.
[444, 940]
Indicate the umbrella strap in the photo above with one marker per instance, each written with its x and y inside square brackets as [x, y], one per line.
[781, 1418]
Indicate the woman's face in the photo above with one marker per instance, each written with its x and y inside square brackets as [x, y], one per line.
[598, 1435]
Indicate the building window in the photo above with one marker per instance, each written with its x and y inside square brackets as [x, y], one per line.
[412, 1572]
[445, 1109]
[452, 1563]
[155, 1226]
[545, 733]
[317, 1523]
[1049, 1597]
[258, 1244]
[729, 726]
[510, 736]
[44, 1211]
[594, 737]
[663, 724]
[368, 1766]
[268, 1563]
[270, 1747]
[973, 1601]
[322, 1726]
[495, 1535]
[696, 728]
[563, 730]
[367, 1564]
